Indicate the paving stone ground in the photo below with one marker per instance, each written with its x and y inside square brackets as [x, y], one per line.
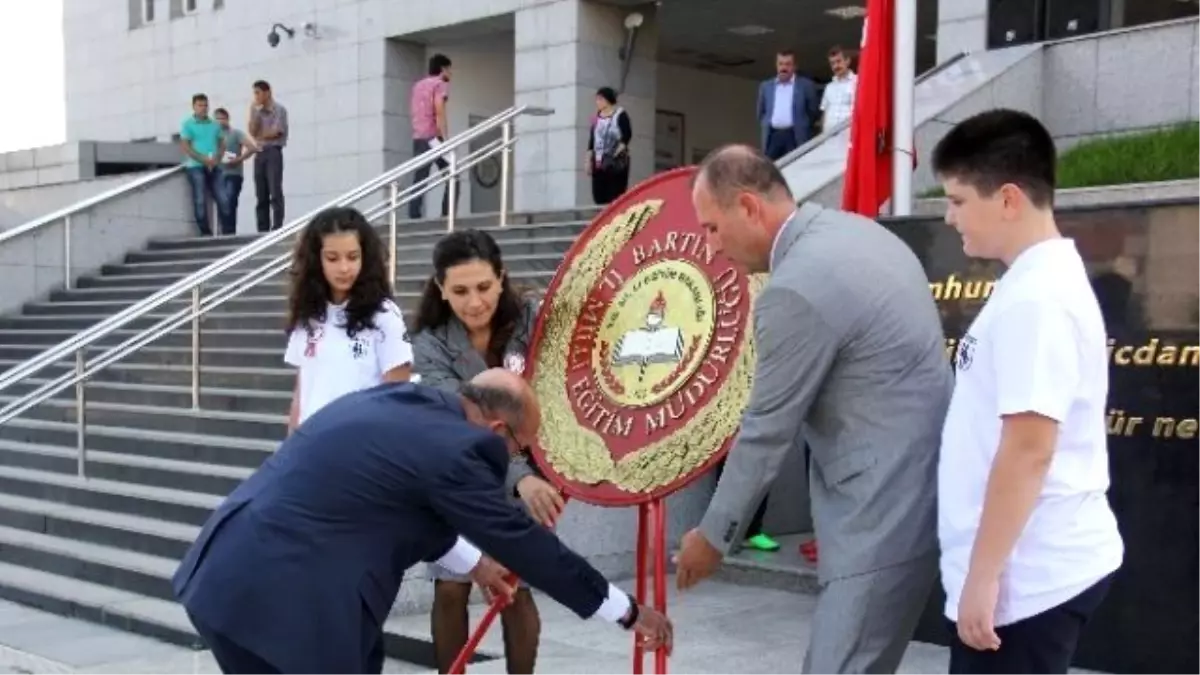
[720, 628]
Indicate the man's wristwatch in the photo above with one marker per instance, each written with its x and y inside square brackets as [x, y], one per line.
[630, 619]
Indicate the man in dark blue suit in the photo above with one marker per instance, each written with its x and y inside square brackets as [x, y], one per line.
[298, 569]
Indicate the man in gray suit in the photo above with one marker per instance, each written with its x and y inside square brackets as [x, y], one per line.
[851, 358]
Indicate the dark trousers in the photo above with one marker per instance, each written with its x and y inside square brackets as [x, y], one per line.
[416, 207]
[268, 188]
[204, 187]
[1043, 643]
[755, 522]
[233, 658]
[780, 142]
[608, 185]
[229, 192]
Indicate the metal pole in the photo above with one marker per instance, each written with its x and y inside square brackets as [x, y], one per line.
[505, 169]
[67, 281]
[395, 199]
[904, 79]
[196, 348]
[80, 414]
[451, 191]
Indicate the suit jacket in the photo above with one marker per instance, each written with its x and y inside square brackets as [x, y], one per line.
[445, 359]
[806, 108]
[302, 562]
[851, 358]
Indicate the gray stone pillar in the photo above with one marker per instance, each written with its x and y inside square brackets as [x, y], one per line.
[962, 27]
[564, 52]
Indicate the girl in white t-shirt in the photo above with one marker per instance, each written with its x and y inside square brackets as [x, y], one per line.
[345, 332]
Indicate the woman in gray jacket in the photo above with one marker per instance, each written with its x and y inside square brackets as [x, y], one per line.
[471, 319]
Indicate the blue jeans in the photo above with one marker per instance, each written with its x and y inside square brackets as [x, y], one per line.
[229, 189]
[204, 187]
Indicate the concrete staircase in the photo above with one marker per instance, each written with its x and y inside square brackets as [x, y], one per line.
[104, 548]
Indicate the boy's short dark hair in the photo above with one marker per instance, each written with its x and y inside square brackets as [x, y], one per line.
[196, 98]
[262, 85]
[997, 147]
[438, 63]
[221, 111]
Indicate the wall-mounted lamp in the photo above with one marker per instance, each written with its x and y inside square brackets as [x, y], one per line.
[633, 21]
[273, 37]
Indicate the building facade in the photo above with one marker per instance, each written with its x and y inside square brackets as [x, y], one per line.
[344, 75]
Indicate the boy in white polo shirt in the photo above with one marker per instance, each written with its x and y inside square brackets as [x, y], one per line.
[1029, 542]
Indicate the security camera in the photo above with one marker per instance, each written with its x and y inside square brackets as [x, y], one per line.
[310, 30]
[273, 37]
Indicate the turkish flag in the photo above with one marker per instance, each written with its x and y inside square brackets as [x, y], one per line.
[868, 181]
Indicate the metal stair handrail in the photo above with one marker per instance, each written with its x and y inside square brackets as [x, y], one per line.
[192, 283]
[64, 214]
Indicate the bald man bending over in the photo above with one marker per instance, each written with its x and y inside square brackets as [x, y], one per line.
[297, 570]
[850, 358]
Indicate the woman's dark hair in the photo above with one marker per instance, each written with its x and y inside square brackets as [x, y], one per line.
[455, 249]
[608, 94]
[309, 295]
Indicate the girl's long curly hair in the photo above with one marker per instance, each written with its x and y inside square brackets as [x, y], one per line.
[310, 294]
[460, 247]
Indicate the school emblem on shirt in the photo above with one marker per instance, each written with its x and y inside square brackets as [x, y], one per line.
[515, 363]
[966, 353]
[314, 339]
[644, 356]
[358, 348]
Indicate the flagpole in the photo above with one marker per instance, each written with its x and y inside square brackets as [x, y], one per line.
[903, 83]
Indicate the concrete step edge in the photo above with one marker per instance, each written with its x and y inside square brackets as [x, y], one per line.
[229, 442]
[136, 408]
[87, 551]
[99, 485]
[117, 605]
[111, 519]
[224, 370]
[517, 257]
[260, 351]
[139, 461]
[403, 230]
[173, 389]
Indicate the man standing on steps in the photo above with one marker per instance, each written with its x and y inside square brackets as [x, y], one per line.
[851, 358]
[200, 140]
[430, 127]
[298, 569]
[268, 127]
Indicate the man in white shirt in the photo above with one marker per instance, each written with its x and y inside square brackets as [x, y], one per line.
[1028, 540]
[298, 569]
[837, 101]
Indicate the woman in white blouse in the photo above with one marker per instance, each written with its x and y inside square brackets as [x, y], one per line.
[345, 332]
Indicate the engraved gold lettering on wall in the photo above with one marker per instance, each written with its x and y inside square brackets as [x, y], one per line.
[1127, 424]
[958, 287]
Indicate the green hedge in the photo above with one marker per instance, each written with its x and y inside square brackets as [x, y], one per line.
[1166, 154]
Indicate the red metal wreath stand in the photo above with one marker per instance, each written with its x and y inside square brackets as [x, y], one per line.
[651, 542]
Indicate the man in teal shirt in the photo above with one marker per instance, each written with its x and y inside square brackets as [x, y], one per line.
[201, 141]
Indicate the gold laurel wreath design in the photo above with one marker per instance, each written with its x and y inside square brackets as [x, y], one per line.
[579, 453]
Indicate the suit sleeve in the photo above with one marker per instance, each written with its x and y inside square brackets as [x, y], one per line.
[811, 102]
[521, 466]
[432, 361]
[796, 348]
[471, 499]
[760, 105]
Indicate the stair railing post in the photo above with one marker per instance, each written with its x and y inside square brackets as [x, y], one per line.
[80, 414]
[67, 253]
[505, 169]
[195, 348]
[452, 191]
[394, 205]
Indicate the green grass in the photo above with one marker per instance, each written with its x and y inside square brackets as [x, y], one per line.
[1166, 154]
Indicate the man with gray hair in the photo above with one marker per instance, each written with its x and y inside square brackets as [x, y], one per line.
[851, 359]
[298, 569]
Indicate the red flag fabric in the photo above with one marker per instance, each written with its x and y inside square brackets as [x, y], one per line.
[868, 181]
